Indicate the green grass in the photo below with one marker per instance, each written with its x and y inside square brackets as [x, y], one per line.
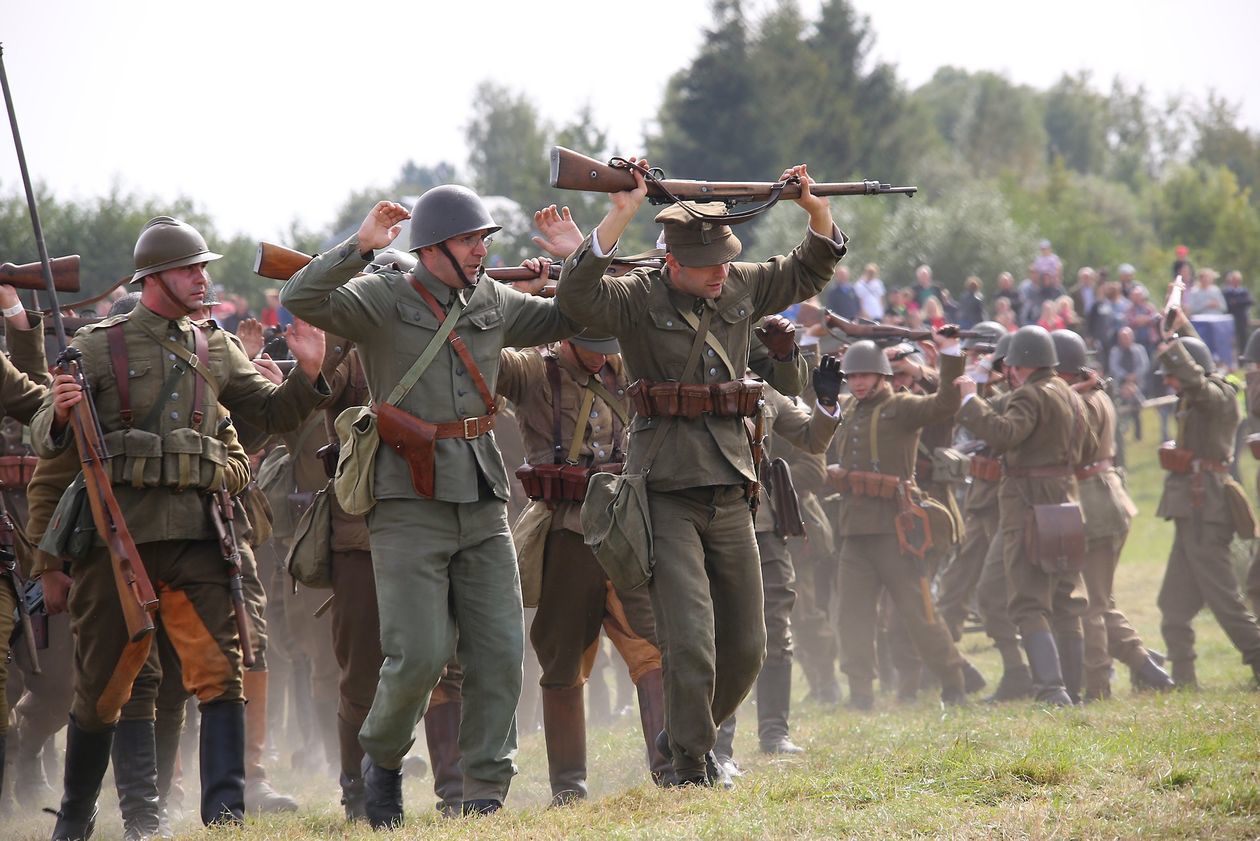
[1150, 766]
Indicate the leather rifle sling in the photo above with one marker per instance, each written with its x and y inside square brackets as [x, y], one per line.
[457, 344]
[693, 359]
[122, 371]
[553, 377]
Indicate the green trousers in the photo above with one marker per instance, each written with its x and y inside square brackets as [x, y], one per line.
[1108, 632]
[447, 583]
[961, 576]
[1040, 601]
[706, 596]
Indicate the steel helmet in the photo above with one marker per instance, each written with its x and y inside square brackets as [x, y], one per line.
[1031, 347]
[1252, 352]
[167, 243]
[448, 211]
[865, 357]
[1071, 351]
[1000, 349]
[1199, 353]
[990, 332]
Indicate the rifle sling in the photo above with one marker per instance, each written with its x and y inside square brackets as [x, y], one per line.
[655, 176]
[456, 342]
[712, 341]
[693, 359]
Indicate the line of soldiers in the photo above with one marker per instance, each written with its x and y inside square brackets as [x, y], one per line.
[679, 388]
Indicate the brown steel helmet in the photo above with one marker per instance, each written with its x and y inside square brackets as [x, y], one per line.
[865, 357]
[167, 243]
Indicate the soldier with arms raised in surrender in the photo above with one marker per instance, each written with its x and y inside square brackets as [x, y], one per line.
[697, 313]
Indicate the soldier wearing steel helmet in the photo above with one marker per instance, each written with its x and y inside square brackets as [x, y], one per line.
[1110, 511]
[441, 549]
[1206, 505]
[878, 441]
[1042, 431]
[163, 385]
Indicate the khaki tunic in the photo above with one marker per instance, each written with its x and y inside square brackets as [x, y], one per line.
[807, 430]
[1106, 502]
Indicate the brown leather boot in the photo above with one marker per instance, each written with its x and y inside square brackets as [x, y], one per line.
[441, 732]
[259, 795]
[651, 690]
[564, 727]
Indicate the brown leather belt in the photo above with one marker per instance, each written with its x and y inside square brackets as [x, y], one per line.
[1053, 471]
[734, 398]
[468, 428]
[986, 468]
[1201, 465]
[1100, 466]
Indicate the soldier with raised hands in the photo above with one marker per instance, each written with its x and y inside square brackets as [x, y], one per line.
[685, 332]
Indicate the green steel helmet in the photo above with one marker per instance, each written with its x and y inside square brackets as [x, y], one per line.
[990, 332]
[1199, 351]
[1002, 346]
[1031, 347]
[392, 258]
[865, 357]
[448, 211]
[1252, 352]
[1071, 352]
[167, 243]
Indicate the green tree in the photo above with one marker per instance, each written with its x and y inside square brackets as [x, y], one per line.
[1076, 124]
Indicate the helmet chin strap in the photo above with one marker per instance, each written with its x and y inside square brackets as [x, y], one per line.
[459, 272]
[179, 305]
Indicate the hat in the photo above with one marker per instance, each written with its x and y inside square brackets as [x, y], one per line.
[698, 242]
[590, 340]
[1182, 251]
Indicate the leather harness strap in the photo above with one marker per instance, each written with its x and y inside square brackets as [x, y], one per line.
[122, 373]
[459, 347]
[553, 375]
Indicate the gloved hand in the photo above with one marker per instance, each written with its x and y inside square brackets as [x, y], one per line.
[827, 381]
[779, 335]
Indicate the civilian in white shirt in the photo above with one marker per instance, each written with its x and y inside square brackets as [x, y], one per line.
[870, 291]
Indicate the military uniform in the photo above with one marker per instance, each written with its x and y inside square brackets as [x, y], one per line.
[163, 427]
[705, 586]
[1042, 430]
[554, 398]
[444, 564]
[1206, 507]
[879, 437]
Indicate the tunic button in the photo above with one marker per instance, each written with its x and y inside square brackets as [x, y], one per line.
[459, 371]
[594, 414]
[710, 351]
[461, 392]
[174, 415]
[601, 454]
[170, 356]
[669, 324]
[713, 372]
[621, 391]
[132, 372]
[743, 311]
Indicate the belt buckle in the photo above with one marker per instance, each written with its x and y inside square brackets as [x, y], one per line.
[470, 432]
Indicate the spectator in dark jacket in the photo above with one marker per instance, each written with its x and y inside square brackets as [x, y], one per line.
[840, 297]
[971, 304]
[1238, 302]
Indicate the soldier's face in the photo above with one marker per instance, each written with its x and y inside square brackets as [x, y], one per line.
[187, 284]
[863, 386]
[698, 281]
[1173, 384]
[469, 250]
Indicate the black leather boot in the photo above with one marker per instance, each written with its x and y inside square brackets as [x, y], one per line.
[774, 702]
[1016, 684]
[135, 777]
[351, 776]
[383, 799]
[564, 729]
[87, 757]
[1147, 674]
[1047, 674]
[222, 753]
[441, 732]
[973, 681]
[481, 807]
[1071, 664]
[651, 691]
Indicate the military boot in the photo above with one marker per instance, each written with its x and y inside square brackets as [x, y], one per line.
[87, 757]
[973, 680]
[351, 776]
[651, 693]
[259, 794]
[1071, 663]
[861, 695]
[480, 807]
[564, 728]
[222, 753]
[1147, 674]
[724, 751]
[1097, 685]
[1183, 674]
[441, 732]
[167, 731]
[953, 688]
[774, 702]
[1047, 674]
[30, 784]
[383, 797]
[135, 777]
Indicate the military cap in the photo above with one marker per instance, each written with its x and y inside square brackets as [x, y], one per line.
[596, 342]
[698, 242]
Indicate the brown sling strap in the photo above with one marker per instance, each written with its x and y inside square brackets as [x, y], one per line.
[457, 344]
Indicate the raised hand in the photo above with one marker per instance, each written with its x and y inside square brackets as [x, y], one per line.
[778, 334]
[306, 343]
[382, 225]
[827, 379]
[559, 234]
[250, 332]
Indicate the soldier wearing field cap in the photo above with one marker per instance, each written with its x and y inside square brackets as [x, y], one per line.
[1206, 505]
[1042, 430]
[446, 574]
[685, 332]
[1109, 512]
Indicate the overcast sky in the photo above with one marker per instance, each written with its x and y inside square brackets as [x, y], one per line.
[272, 110]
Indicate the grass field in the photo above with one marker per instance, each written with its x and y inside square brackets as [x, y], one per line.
[1176, 765]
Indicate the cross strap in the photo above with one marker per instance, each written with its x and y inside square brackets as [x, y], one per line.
[553, 375]
[712, 341]
[198, 361]
[693, 359]
[457, 344]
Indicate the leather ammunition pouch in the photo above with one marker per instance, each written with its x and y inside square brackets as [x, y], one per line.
[15, 471]
[561, 482]
[1054, 537]
[862, 483]
[415, 440]
[732, 399]
[986, 468]
[1176, 459]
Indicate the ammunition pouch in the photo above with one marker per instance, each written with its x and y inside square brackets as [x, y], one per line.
[1176, 459]
[1054, 537]
[182, 459]
[949, 466]
[15, 471]
[986, 468]
[862, 482]
[561, 482]
[732, 399]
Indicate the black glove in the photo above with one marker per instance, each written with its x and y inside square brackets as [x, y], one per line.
[827, 381]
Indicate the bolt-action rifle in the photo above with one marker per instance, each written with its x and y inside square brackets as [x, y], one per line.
[9, 569]
[223, 515]
[135, 591]
[65, 272]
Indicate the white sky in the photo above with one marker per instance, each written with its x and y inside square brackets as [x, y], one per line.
[271, 110]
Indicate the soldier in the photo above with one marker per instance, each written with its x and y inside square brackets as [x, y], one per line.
[441, 550]
[1250, 359]
[1110, 511]
[23, 384]
[1206, 506]
[1042, 430]
[159, 382]
[875, 474]
[572, 409]
[705, 585]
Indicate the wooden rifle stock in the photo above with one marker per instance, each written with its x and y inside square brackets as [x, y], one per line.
[1173, 303]
[277, 262]
[223, 515]
[65, 272]
[574, 171]
[876, 332]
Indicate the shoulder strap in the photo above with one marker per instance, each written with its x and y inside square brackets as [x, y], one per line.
[430, 352]
[692, 360]
[712, 341]
[579, 429]
[457, 344]
[202, 350]
[122, 373]
[191, 359]
[553, 376]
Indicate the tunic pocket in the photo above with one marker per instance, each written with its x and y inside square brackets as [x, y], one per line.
[181, 459]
